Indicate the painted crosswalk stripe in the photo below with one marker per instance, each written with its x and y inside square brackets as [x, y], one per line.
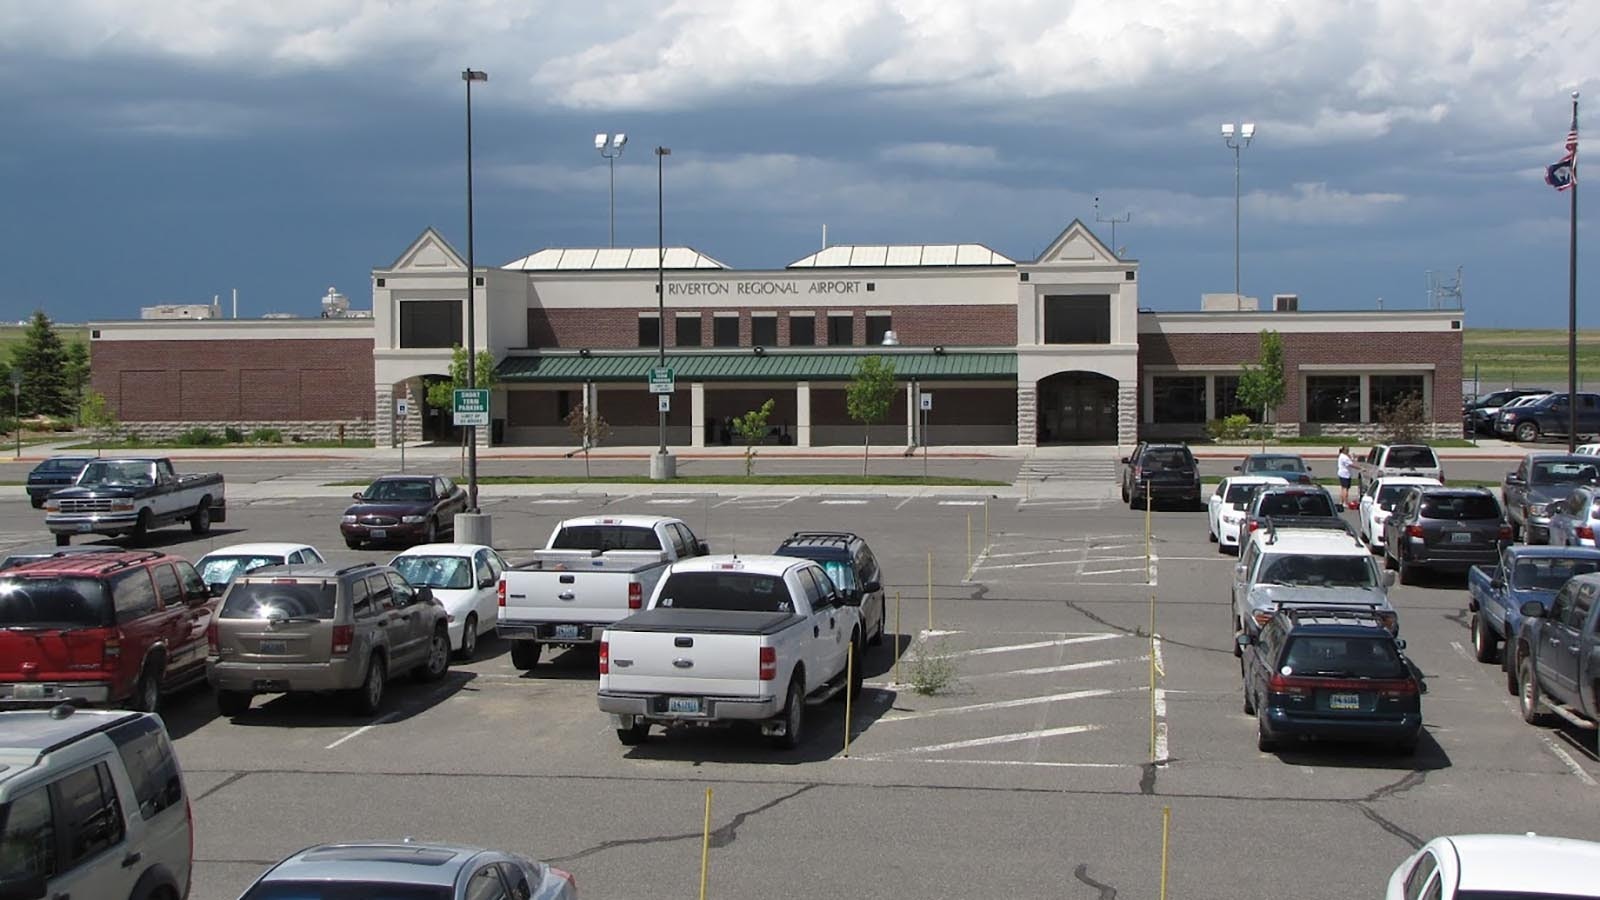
[1035, 645]
[1013, 738]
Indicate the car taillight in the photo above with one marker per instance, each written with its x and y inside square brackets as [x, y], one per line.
[500, 593]
[1295, 687]
[769, 663]
[213, 643]
[1262, 616]
[1585, 532]
[1396, 690]
[605, 657]
[1254, 524]
[111, 651]
[1414, 531]
[1505, 532]
[566, 876]
[1138, 472]
[343, 637]
[635, 595]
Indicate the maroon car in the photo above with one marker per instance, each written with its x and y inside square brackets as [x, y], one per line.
[404, 509]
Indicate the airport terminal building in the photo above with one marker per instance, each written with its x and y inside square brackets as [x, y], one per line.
[1010, 353]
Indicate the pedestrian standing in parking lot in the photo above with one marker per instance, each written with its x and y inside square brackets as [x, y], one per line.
[1345, 464]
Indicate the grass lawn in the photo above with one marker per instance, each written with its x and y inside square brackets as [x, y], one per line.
[1527, 357]
[11, 335]
[941, 481]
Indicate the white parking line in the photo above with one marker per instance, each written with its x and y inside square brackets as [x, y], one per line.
[961, 502]
[902, 503]
[553, 501]
[1051, 670]
[995, 739]
[1003, 704]
[1035, 552]
[363, 730]
[671, 501]
[1003, 762]
[842, 502]
[1036, 645]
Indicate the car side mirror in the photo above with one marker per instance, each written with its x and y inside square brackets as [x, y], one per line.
[1243, 640]
[1533, 609]
[487, 582]
[424, 595]
[217, 588]
[1400, 643]
[702, 548]
[871, 587]
[1126, 460]
[1497, 583]
[357, 496]
[1388, 579]
[1238, 570]
[1513, 478]
[1238, 468]
[28, 887]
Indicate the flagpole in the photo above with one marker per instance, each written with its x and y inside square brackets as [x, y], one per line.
[1572, 297]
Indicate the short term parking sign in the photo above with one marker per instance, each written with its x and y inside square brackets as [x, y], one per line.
[471, 406]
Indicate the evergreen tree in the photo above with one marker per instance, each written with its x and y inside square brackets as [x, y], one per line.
[42, 360]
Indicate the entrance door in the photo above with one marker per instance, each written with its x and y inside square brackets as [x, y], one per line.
[1077, 408]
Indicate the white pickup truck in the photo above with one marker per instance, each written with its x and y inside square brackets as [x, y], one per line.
[731, 639]
[591, 572]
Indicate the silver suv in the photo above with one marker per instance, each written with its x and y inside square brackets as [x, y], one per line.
[290, 629]
[92, 804]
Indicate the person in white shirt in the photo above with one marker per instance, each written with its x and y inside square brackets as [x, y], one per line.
[1345, 466]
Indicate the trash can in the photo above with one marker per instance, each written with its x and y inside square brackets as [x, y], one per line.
[497, 432]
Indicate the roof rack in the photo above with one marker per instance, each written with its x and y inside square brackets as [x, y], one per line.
[356, 568]
[1327, 523]
[840, 536]
[1362, 612]
[140, 557]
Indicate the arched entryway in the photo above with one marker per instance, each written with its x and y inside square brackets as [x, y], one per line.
[1077, 408]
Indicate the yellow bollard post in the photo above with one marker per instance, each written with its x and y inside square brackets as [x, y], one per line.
[705, 847]
[930, 592]
[1166, 825]
[986, 523]
[969, 542]
[849, 679]
[1148, 502]
[898, 650]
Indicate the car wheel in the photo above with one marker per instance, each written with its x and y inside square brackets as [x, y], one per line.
[883, 622]
[430, 534]
[200, 522]
[1512, 687]
[438, 659]
[1238, 629]
[634, 734]
[232, 703]
[1529, 699]
[469, 637]
[1388, 561]
[1124, 492]
[525, 654]
[1222, 548]
[1527, 431]
[1249, 702]
[352, 543]
[1264, 740]
[368, 698]
[141, 527]
[794, 716]
[147, 693]
[1484, 645]
[38, 502]
[1211, 535]
[63, 540]
[1408, 572]
[1134, 502]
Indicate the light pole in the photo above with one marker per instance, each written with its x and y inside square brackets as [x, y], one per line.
[16, 407]
[1246, 133]
[469, 76]
[610, 147]
[661, 468]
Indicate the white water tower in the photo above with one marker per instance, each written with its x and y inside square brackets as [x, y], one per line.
[334, 304]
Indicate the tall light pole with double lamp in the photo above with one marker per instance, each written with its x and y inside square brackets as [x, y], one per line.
[662, 466]
[16, 407]
[472, 526]
[610, 147]
[1245, 133]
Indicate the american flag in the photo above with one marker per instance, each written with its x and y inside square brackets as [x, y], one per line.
[1564, 173]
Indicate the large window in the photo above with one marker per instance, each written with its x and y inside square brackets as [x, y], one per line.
[430, 323]
[725, 331]
[1078, 319]
[649, 331]
[1227, 387]
[877, 327]
[688, 330]
[841, 330]
[764, 331]
[1332, 399]
[802, 331]
[1180, 399]
[1387, 390]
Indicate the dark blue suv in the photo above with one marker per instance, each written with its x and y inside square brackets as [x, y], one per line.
[1330, 673]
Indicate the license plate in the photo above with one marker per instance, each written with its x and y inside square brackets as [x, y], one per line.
[567, 631]
[685, 705]
[1461, 537]
[274, 647]
[269, 685]
[85, 526]
[1344, 701]
[29, 691]
[377, 534]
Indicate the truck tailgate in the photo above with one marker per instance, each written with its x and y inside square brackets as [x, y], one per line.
[662, 662]
[575, 596]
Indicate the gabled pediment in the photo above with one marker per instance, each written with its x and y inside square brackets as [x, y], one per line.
[1077, 244]
[430, 252]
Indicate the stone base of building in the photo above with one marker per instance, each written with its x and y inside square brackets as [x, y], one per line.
[1364, 433]
[292, 432]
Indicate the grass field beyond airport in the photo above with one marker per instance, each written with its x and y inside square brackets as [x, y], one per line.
[1527, 357]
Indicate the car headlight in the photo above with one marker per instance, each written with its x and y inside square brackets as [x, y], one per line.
[413, 520]
[1232, 520]
[349, 520]
[122, 506]
[52, 506]
[1538, 509]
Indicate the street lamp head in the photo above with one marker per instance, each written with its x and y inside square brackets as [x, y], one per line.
[663, 151]
[1248, 130]
[474, 75]
[1227, 129]
[619, 141]
[600, 141]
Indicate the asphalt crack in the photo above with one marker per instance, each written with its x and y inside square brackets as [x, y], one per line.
[1107, 892]
[720, 837]
[1137, 630]
[218, 786]
[1411, 781]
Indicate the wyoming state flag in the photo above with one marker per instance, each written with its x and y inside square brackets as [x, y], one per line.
[1563, 174]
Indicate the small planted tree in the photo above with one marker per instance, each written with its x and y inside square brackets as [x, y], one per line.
[1402, 420]
[97, 416]
[1262, 386]
[752, 429]
[868, 397]
[442, 394]
[590, 428]
[42, 359]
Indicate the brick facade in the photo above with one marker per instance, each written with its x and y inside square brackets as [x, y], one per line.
[605, 329]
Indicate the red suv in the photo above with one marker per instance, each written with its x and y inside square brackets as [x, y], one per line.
[102, 628]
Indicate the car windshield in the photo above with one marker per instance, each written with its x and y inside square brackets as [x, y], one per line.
[1302, 570]
[1165, 458]
[1274, 464]
[1412, 458]
[290, 597]
[346, 890]
[1460, 507]
[606, 537]
[1241, 494]
[112, 472]
[452, 573]
[726, 591]
[399, 490]
[223, 569]
[1549, 574]
[1570, 472]
[1299, 503]
[54, 602]
[1346, 657]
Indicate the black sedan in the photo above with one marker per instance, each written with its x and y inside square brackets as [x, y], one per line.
[52, 475]
[404, 509]
[1444, 529]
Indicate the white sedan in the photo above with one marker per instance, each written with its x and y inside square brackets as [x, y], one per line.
[1225, 510]
[219, 567]
[1525, 866]
[1379, 500]
[463, 578]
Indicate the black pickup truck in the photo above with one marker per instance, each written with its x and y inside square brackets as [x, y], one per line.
[131, 495]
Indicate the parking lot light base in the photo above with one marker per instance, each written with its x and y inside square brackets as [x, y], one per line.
[663, 466]
[474, 528]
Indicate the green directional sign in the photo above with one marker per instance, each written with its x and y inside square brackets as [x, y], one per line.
[662, 380]
[471, 406]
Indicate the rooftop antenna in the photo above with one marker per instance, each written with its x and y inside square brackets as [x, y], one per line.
[1114, 220]
[824, 235]
[1444, 294]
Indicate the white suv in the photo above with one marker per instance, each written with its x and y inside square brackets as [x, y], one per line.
[1311, 562]
[92, 805]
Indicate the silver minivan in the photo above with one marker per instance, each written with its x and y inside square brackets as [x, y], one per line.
[323, 628]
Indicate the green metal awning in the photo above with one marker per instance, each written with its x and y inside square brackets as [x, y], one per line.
[746, 365]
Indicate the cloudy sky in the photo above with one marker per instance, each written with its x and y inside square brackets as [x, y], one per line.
[165, 151]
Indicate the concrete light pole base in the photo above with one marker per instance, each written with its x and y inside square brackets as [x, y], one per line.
[663, 467]
[474, 528]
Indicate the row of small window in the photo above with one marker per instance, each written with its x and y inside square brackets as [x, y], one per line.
[1330, 399]
[688, 331]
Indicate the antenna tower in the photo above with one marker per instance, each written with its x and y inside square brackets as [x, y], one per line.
[1444, 294]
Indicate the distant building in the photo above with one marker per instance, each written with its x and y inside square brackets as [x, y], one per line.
[180, 311]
